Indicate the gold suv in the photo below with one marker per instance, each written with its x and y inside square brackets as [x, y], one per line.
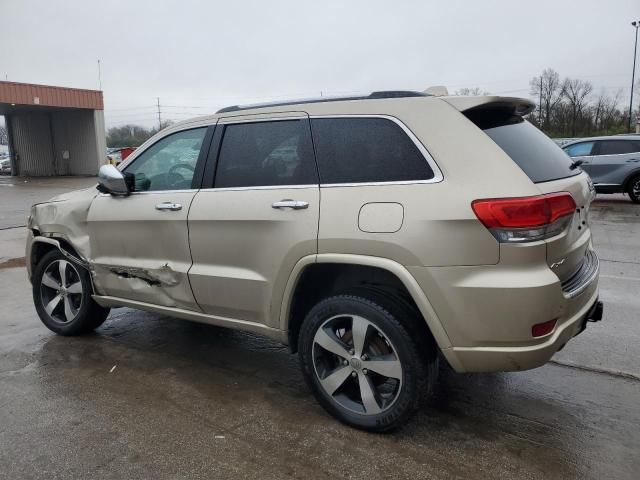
[375, 235]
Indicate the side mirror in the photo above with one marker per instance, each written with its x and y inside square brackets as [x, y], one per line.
[111, 180]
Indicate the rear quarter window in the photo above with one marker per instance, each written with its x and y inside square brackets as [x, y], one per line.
[618, 147]
[366, 150]
[535, 153]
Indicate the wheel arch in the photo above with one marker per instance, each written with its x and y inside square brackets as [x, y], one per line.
[41, 245]
[296, 291]
[629, 177]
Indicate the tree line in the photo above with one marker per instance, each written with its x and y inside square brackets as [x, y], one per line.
[132, 135]
[568, 107]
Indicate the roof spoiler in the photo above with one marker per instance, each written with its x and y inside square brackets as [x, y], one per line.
[516, 106]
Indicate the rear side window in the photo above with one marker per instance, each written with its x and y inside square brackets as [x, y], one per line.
[618, 147]
[363, 150]
[272, 153]
[535, 153]
[579, 149]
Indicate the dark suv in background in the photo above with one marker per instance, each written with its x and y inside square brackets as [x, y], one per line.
[613, 163]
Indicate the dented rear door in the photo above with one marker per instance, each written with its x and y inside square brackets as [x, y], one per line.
[140, 243]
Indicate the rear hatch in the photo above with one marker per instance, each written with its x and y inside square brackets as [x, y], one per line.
[548, 167]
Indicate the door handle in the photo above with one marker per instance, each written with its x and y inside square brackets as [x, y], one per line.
[169, 206]
[294, 204]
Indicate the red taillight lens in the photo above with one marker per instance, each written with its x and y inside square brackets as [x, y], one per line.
[523, 212]
[542, 329]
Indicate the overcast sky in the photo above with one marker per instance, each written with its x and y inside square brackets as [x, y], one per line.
[198, 56]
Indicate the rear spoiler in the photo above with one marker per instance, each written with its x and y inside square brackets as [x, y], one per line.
[512, 105]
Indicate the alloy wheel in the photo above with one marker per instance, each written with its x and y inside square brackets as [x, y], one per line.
[61, 291]
[357, 365]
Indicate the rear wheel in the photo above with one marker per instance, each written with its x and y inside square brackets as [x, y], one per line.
[634, 189]
[362, 364]
[62, 296]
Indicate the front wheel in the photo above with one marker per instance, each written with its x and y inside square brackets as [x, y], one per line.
[62, 296]
[362, 364]
[634, 189]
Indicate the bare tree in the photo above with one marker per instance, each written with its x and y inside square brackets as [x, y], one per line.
[547, 88]
[576, 92]
[4, 137]
[605, 110]
[471, 91]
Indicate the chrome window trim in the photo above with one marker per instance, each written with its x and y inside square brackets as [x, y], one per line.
[606, 184]
[437, 173]
[234, 120]
[260, 187]
[614, 154]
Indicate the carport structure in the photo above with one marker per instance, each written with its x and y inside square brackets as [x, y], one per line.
[53, 130]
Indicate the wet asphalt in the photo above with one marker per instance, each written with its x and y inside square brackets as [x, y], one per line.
[153, 397]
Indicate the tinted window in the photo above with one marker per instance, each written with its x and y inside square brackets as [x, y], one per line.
[266, 153]
[618, 147]
[535, 153]
[579, 149]
[356, 150]
[168, 164]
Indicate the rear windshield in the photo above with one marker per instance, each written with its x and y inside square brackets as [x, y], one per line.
[535, 153]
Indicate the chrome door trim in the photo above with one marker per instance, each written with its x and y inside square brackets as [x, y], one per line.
[437, 173]
[151, 192]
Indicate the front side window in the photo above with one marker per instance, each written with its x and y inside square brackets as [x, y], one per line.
[273, 153]
[579, 149]
[618, 147]
[168, 164]
[366, 150]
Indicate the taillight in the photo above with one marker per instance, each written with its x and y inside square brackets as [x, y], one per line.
[526, 219]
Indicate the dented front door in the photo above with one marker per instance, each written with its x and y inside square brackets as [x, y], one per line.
[140, 243]
[139, 251]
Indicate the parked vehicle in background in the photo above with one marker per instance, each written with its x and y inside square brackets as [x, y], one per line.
[561, 142]
[5, 166]
[612, 162]
[372, 234]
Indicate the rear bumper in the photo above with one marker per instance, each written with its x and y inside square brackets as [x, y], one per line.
[488, 311]
[497, 359]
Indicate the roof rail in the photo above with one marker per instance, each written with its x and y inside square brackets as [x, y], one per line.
[371, 96]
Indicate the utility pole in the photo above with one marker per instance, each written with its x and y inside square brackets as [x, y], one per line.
[540, 102]
[636, 25]
[99, 75]
[159, 118]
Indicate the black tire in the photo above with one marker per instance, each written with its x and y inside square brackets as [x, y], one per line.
[418, 370]
[633, 189]
[73, 313]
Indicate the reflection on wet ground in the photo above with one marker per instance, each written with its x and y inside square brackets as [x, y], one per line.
[194, 399]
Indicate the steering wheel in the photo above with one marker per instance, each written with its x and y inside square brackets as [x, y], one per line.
[174, 179]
